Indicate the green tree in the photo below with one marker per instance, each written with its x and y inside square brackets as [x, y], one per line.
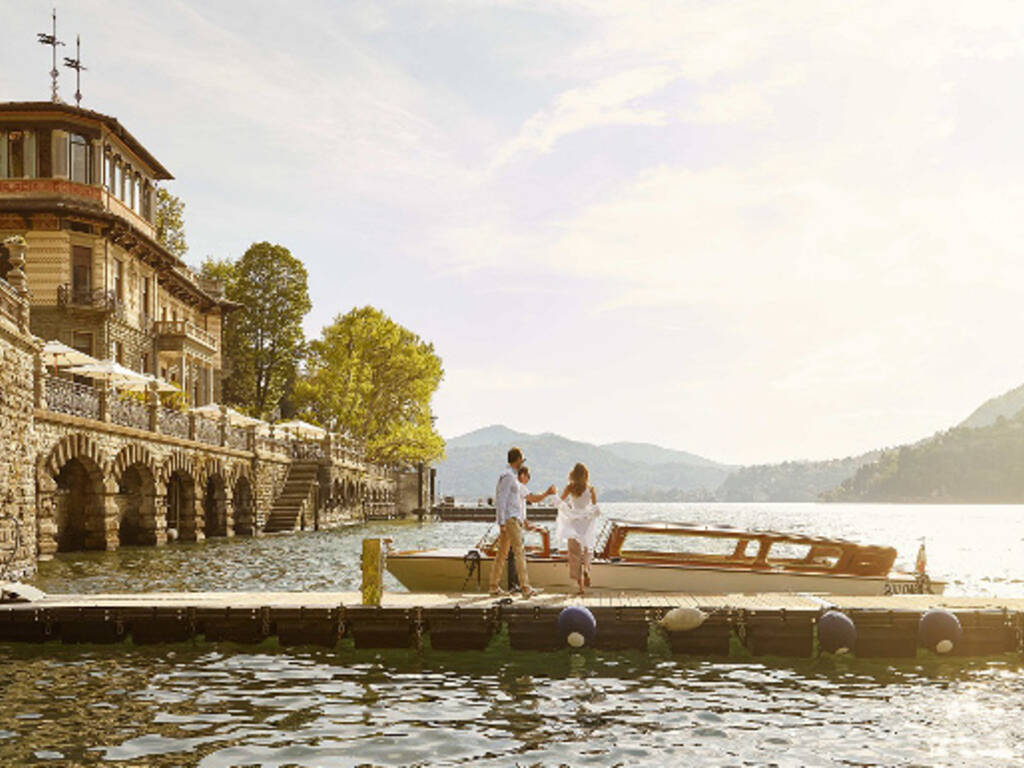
[369, 376]
[263, 340]
[169, 219]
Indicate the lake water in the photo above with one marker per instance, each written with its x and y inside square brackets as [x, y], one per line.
[216, 705]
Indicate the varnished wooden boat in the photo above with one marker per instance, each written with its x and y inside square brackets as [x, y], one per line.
[670, 557]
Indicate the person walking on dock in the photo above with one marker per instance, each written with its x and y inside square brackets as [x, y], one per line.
[576, 524]
[510, 518]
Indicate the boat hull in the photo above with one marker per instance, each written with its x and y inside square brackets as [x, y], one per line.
[441, 571]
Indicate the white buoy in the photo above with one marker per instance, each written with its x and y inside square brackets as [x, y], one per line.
[576, 639]
[944, 646]
[683, 619]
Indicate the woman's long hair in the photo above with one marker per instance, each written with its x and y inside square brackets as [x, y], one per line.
[579, 480]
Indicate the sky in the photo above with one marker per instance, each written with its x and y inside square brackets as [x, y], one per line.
[757, 231]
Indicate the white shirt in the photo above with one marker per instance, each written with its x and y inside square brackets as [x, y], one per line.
[506, 497]
[523, 493]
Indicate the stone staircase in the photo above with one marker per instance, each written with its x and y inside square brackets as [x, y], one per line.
[298, 485]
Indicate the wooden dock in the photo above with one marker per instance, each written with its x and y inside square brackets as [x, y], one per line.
[768, 624]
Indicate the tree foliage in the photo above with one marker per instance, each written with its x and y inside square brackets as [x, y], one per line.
[169, 220]
[369, 376]
[263, 339]
[962, 465]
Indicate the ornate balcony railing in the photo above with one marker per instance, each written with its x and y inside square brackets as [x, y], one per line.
[237, 437]
[88, 298]
[10, 303]
[66, 396]
[307, 449]
[174, 423]
[187, 329]
[129, 413]
[207, 431]
[274, 445]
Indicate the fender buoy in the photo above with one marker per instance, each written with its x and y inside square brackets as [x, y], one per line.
[836, 632]
[939, 630]
[683, 619]
[577, 626]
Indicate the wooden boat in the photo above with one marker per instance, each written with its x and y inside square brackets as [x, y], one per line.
[672, 557]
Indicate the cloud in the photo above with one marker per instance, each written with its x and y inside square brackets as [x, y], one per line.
[614, 100]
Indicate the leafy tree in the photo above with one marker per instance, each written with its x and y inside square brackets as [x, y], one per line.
[369, 376]
[169, 219]
[263, 340]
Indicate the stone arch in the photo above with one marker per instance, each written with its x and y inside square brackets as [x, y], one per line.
[179, 461]
[184, 513]
[138, 519]
[70, 447]
[216, 494]
[133, 453]
[243, 503]
[211, 466]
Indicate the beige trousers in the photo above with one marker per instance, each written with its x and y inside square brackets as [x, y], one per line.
[511, 536]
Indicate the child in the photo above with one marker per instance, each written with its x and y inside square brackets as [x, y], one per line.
[576, 524]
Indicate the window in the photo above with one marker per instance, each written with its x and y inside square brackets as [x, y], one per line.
[119, 352]
[78, 159]
[136, 191]
[16, 154]
[144, 364]
[44, 142]
[119, 279]
[82, 341]
[81, 270]
[118, 178]
[145, 302]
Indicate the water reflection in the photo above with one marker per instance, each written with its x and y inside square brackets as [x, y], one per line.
[223, 706]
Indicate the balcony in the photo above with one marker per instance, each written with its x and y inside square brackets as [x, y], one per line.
[49, 188]
[172, 333]
[97, 299]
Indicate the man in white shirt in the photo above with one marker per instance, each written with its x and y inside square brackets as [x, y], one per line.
[510, 514]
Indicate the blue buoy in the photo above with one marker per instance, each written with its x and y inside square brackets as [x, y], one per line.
[836, 632]
[577, 626]
[939, 631]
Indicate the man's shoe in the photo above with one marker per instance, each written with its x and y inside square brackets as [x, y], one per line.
[531, 592]
[498, 592]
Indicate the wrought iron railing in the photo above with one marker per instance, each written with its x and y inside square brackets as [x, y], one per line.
[274, 445]
[129, 413]
[185, 328]
[237, 437]
[307, 449]
[208, 431]
[66, 396]
[88, 298]
[174, 423]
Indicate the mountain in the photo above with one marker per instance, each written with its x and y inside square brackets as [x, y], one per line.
[645, 453]
[791, 480]
[978, 465]
[474, 460]
[1007, 405]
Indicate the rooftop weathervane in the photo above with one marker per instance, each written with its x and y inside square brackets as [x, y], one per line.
[76, 64]
[52, 41]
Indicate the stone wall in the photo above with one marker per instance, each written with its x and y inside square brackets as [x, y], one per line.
[412, 490]
[17, 483]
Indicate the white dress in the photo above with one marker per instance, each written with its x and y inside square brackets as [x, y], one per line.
[577, 519]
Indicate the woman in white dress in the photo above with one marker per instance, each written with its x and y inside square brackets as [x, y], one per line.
[576, 524]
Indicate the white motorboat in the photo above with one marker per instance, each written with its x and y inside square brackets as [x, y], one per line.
[669, 557]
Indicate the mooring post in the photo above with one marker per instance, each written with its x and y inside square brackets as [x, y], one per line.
[374, 552]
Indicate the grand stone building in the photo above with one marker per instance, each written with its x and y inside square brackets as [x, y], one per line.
[81, 191]
[82, 467]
